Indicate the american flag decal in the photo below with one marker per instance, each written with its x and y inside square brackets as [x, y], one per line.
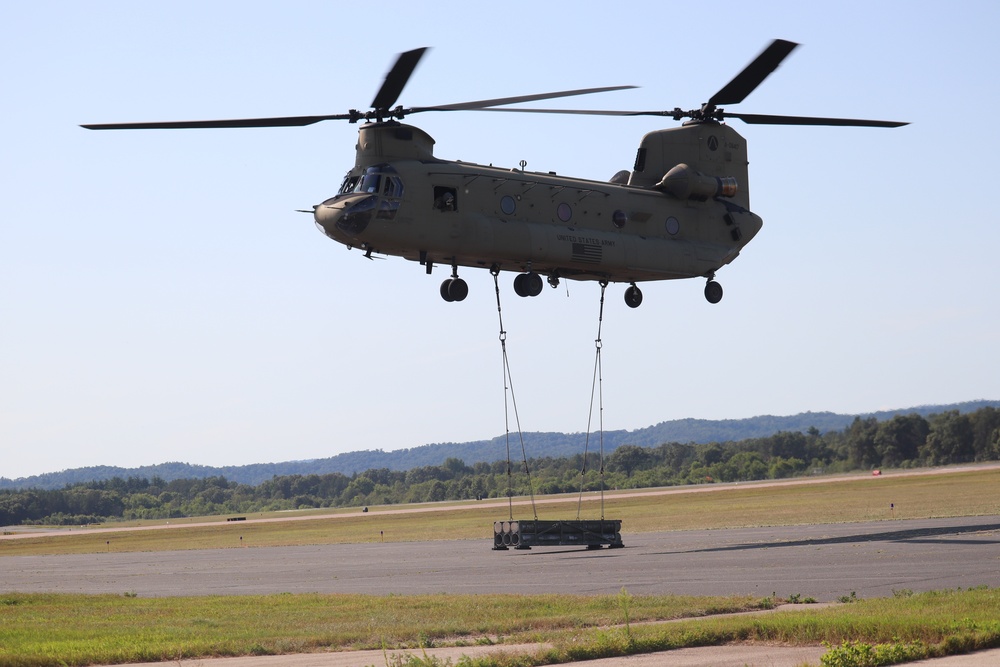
[587, 253]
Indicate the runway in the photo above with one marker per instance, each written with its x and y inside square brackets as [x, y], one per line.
[824, 562]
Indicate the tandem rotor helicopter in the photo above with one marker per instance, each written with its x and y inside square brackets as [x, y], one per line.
[682, 212]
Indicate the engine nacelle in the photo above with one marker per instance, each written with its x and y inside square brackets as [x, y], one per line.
[684, 182]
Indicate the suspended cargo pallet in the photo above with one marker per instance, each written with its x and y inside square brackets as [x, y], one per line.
[592, 534]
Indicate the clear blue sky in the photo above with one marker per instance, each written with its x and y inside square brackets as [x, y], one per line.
[162, 300]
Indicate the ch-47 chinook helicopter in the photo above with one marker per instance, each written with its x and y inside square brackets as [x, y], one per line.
[682, 212]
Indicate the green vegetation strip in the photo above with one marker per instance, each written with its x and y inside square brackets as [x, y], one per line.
[890, 497]
[53, 629]
[42, 630]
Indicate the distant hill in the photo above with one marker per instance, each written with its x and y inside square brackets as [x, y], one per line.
[538, 444]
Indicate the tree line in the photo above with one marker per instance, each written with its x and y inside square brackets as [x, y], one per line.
[901, 442]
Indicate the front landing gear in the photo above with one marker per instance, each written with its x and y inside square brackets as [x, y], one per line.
[713, 291]
[454, 288]
[528, 284]
[633, 296]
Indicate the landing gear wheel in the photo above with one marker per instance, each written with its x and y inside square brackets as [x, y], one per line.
[533, 284]
[446, 291]
[633, 297]
[458, 290]
[519, 285]
[454, 289]
[713, 292]
[528, 284]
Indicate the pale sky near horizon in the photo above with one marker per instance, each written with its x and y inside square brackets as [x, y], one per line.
[162, 300]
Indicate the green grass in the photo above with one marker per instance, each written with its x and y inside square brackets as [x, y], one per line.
[864, 498]
[54, 629]
[43, 630]
[912, 627]
[50, 629]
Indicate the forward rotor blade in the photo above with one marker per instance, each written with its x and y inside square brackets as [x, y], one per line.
[753, 74]
[287, 121]
[501, 101]
[766, 119]
[297, 121]
[396, 79]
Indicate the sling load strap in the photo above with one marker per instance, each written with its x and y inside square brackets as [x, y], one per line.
[508, 387]
[596, 386]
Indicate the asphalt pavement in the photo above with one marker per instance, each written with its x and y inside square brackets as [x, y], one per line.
[823, 562]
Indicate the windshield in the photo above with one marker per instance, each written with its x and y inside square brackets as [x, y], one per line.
[350, 182]
[381, 179]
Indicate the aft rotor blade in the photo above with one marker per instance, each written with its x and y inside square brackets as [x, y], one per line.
[397, 77]
[759, 119]
[287, 121]
[501, 101]
[753, 74]
[766, 119]
[584, 112]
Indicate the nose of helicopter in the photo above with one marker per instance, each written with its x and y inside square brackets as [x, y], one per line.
[325, 217]
[344, 217]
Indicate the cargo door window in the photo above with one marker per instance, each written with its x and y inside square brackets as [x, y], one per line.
[445, 198]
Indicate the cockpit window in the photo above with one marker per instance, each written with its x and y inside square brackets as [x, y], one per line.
[369, 182]
[349, 184]
[378, 180]
[383, 182]
[392, 186]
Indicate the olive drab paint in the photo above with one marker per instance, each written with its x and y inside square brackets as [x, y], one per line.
[683, 211]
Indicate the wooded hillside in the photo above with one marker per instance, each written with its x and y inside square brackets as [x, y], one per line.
[902, 441]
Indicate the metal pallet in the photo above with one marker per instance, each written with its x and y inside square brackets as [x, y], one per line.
[592, 534]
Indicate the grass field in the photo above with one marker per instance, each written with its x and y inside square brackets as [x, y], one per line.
[821, 500]
[43, 630]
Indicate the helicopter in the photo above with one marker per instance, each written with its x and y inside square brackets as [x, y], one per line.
[683, 211]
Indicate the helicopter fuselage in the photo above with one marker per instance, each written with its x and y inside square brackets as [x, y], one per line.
[399, 200]
[682, 212]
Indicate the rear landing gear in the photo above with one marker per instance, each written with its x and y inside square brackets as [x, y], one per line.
[633, 296]
[713, 291]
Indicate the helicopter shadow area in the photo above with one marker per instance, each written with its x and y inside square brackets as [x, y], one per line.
[930, 535]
